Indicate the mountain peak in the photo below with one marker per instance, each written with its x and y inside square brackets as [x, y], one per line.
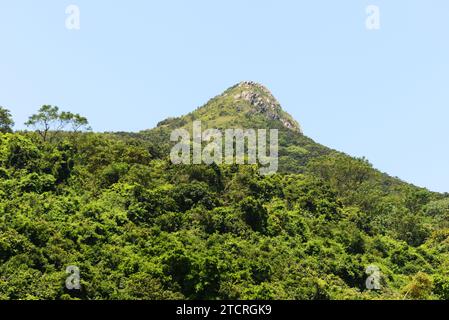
[246, 104]
[262, 102]
[252, 84]
[253, 92]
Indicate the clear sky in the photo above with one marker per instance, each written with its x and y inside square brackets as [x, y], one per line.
[382, 94]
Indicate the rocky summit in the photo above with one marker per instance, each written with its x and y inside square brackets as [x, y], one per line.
[245, 105]
[264, 103]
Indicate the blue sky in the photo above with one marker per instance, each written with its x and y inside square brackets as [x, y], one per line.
[380, 94]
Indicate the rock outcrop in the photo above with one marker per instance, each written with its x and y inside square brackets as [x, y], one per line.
[265, 103]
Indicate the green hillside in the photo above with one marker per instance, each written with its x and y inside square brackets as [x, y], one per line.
[140, 227]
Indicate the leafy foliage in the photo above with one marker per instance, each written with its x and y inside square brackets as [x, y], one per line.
[139, 227]
[49, 120]
[6, 121]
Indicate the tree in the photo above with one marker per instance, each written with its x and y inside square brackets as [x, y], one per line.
[420, 287]
[441, 285]
[44, 120]
[6, 122]
[50, 119]
[254, 214]
[76, 121]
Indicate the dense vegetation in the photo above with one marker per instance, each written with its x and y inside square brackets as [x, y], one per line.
[139, 227]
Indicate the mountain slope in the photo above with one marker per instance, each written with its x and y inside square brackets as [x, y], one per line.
[139, 227]
[247, 105]
[251, 105]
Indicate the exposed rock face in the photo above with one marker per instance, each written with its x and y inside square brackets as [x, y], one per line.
[264, 102]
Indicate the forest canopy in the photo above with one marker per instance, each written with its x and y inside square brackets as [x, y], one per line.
[139, 227]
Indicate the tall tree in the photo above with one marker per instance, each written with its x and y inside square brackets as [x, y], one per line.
[6, 121]
[75, 121]
[49, 119]
[44, 121]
